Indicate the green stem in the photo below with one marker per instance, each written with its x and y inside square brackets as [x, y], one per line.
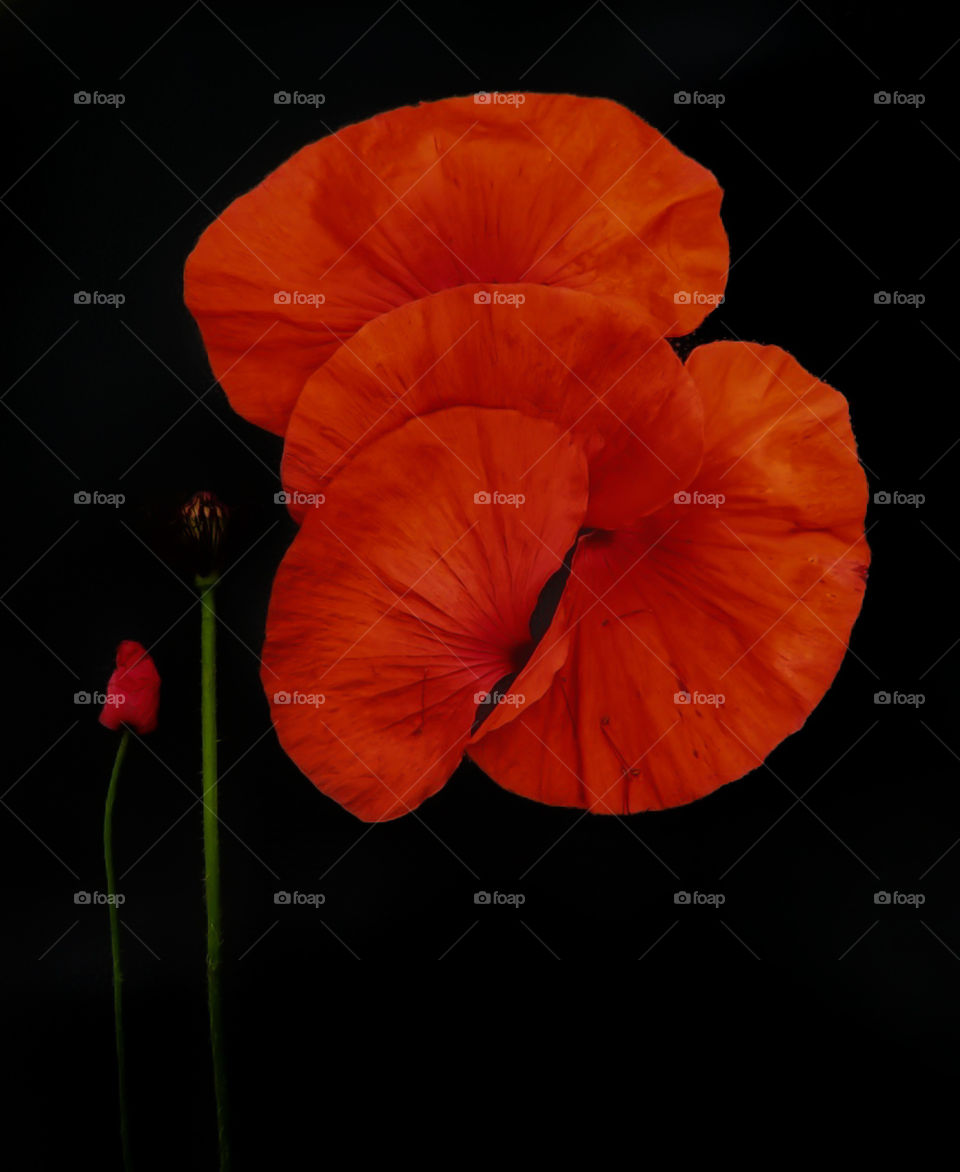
[115, 947]
[211, 850]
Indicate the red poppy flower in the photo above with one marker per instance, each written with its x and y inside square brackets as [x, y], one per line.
[689, 639]
[553, 190]
[133, 691]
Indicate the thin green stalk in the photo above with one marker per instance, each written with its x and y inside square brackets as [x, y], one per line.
[211, 851]
[115, 947]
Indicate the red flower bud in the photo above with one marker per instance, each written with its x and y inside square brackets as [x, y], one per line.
[133, 691]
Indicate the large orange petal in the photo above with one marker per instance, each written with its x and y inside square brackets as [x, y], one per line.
[701, 640]
[408, 592]
[558, 190]
[592, 368]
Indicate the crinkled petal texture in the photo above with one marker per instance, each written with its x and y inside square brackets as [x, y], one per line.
[707, 635]
[409, 591]
[593, 369]
[556, 190]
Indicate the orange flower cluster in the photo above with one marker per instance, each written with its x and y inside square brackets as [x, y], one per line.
[528, 532]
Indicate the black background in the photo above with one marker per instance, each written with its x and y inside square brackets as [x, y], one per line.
[830, 198]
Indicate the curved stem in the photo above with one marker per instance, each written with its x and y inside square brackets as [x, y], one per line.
[211, 850]
[115, 946]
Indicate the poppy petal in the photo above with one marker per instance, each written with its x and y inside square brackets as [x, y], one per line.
[553, 189]
[702, 639]
[408, 592]
[590, 367]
